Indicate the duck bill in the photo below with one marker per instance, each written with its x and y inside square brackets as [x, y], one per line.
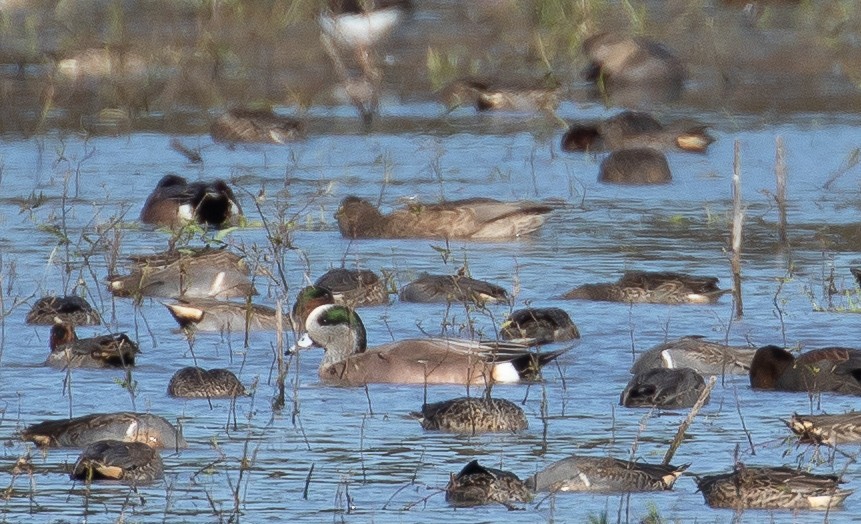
[304, 342]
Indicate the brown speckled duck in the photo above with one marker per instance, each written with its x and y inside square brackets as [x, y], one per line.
[129, 462]
[255, 125]
[771, 488]
[653, 287]
[472, 416]
[71, 308]
[642, 166]
[829, 430]
[175, 202]
[195, 382]
[354, 287]
[474, 218]
[663, 388]
[429, 289]
[477, 485]
[542, 325]
[487, 97]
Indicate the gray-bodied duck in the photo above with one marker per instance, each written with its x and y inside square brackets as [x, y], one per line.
[474, 218]
[195, 382]
[695, 352]
[128, 462]
[829, 430]
[487, 97]
[655, 287]
[354, 287]
[206, 314]
[71, 308]
[255, 125]
[175, 201]
[832, 369]
[604, 475]
[349, 362]
[477, 485]
[186, 273]
[470, 415]
[79, 432]
[431, 289]
[771, 488]
[543, 325]
[663, 388]
[115, 350]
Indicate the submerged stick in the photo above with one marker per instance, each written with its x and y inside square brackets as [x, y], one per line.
[737, 220]
[683, 427]
[780, 197]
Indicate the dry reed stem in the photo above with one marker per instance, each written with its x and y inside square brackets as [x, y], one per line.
[737, 220]
[780, 197]
[683, 427]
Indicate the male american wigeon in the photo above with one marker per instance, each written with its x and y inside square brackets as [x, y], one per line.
[254, 125]
[833, 369]
[128, 462]
[829, 430]
[195, 382]
[657, 287]
[478, 485]
[771, 488]
[706, 357]
[67, 350]
[474, 218]
[604, 475]
[82, 431]
[663, 388]
[175, 202]
[633, 70]
[544, 325]
[71, 308]
[641, 166]
[354, 287]
[430, 289]
[186, 273]
[633, 129]
[486, 97]
[348, 361]
[471, 415]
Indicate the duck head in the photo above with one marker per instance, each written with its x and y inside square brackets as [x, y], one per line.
[336, 329]
[769, 363]
[62, 333]
[356, 216]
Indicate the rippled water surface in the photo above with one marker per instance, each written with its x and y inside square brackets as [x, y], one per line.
[69, 206]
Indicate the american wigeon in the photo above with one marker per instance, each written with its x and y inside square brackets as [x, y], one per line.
[477, 485]
[502, 98]
[348, 361]
[827, 429]
[67, 350]
[544, 325]
[129, 462]
[604, 475]
[195, 382]
[708, 358]
[470, 415]
[656, 287]
[663, 388]
[474, 218]
[204, 314]
[771, 488]
[633, 70]
[642, 166]
[186, 273]
[82, 431]
[828, 369]
[634, 130]
[175, 202]
[358, 25]
[430, 289]
[254, 125]
[71, 308]
[354, 287]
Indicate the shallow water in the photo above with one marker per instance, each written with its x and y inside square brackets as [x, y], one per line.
[354, 455]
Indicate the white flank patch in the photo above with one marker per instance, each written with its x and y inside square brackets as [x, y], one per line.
[585, 479]
[821, 501]
[185, 212]
[217, 284]
[505, 372]
[667, 358]
[697, 298]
